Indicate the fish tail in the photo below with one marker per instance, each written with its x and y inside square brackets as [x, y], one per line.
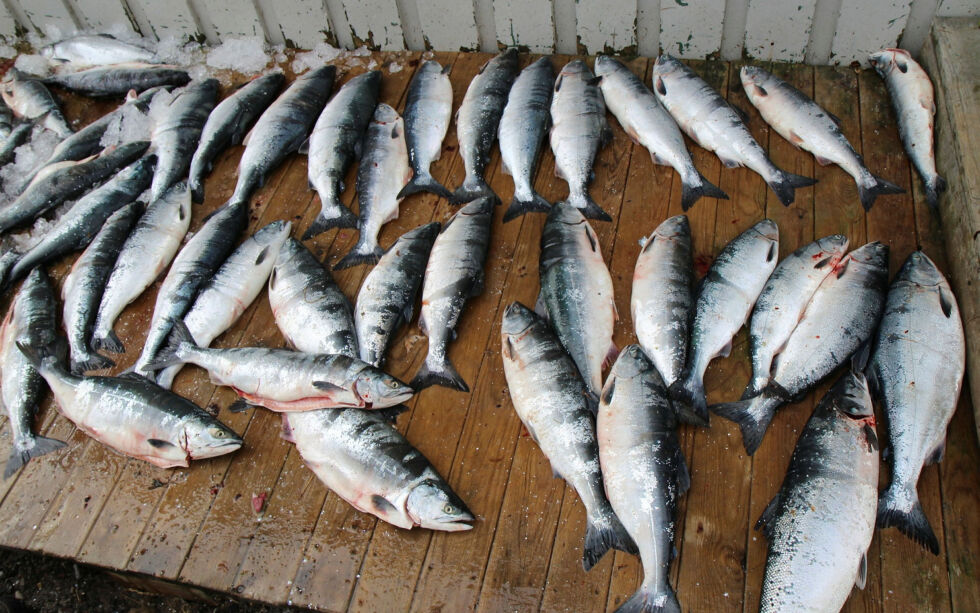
[169, 354]
[362, 253]
[689, 400]
[340, 217]
[19, 457]
[868, 193]
[425, 183]
[751, 421]
[785, 183]
[584, 202]
[438, 372]
[165, 378]
[602, 534]
[899, 506]
[470, 190]
[652, 599]
[933, 188]
[755, 386]
[108, 342]
[691, 192]
[90, 361]
[536, 203]
[196, 184]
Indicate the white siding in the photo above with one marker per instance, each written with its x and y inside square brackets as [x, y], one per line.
[528, 23]
[165, 19]
[46, 15]
[230, 18]
[449, 25]
[865, 27]
[102, 15]
[303, 23]
[8, 23]
[691, 28]
[375, 21]
[778, 30]
[603, 24]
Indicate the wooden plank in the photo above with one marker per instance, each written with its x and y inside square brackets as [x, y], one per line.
[166, 20]
[299, 24]
[50, 17]
[691, 29]
[795, 230]
[448, 25]
[375, 23]
[103, 15]
[232, 18]
[864, 28]
[776, 30]
[528, 26]
[606, 26]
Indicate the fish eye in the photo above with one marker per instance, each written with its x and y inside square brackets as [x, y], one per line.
[448, 509]
[218, 433]
[391, 383]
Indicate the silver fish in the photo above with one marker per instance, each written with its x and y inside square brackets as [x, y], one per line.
[147, 252]
[579, 129]
[663, 296]
[18, 136]
[715, 125]
[453, 275]
[646, 121]
[30, 320]
[65, 181]
[839, 319]
[387, 296]
[283, 380]
[135, 416]
[914, 102]
[781, 304]
[84, 285]
[228, 123]
[6, 120]
[577, 293]
[76, 228]
[95, 50]
[428, 110]
[119, 79]
[282, 128]
[917, 372]
[29, 99]
[232, 289]
[312, 313]
[551, 399]
[523, 127]
[338, 137]
[177, 131]
[820, 524]
[193, 267]
[643, 470]
[383, 172]
[368, 463]
[807, 125]
[477, 120]
[724, 302]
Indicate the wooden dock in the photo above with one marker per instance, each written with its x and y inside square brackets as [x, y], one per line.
[309, 548]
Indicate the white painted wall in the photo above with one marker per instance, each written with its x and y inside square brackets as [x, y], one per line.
[815, 31]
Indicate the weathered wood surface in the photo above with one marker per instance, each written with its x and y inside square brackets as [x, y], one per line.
[309, 548]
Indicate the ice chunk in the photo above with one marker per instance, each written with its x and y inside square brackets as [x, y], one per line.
[28, 156]
[244, 55]
[7, 52]
[36, 65]
[395, 67]
[129, 124]
[320, 54]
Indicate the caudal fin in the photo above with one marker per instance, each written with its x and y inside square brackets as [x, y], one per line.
[755, 386]
[168, 354]
[196, 184]
[362, 253]
[438, 372]
[689, 401]
[785, 184]
[38, 447]
[692, 192]
[933, 189]
[470, 190]
[338, 216]
[651, 600]
[752, 421]
[868, 193]
[110, 342]
[535, 204]
[90, 361]
[899, 506]
[588, 206]
[602, 534]
[425, 183]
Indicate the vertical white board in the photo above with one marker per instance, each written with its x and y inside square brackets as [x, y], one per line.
[648, 27]
[778, 30]
[917, 28]
[733, 29]
[691, 28]
[102, 15]
[233, 18]
[525, 23]
[865, 27]
[958, 8]
[408, 12]
[48, 14]
[172, 19]
[565, 36]
[486, 25]
[606, 24]
[449, 25]
[298, 23]
[8, 23]
[339, 24]
[376, 22]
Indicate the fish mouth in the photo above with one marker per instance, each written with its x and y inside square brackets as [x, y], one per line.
[458, 525]
[768, 229]
[215, 450]
[517, 319]
[395, 397]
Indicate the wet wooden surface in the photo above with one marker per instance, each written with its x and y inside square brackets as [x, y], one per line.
[309, 548]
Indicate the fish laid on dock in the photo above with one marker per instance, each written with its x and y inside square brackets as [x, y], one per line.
[119, 79]
[428, 109]
[29, 99]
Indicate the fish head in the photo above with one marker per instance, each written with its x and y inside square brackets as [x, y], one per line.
[206, 437]
[850, 400]
[563, 212]
[426, 233]
[767, 229]
[273, 235]
[480, 206]
[675, 227]
[605, 64]
[832, 248]
[888, 60]
[517, 319]
[873, 254]
[756, 81]
[377, 389]
[384, 113]
[632, 362]
[576, 67]
[431, 504]
[918, 269]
